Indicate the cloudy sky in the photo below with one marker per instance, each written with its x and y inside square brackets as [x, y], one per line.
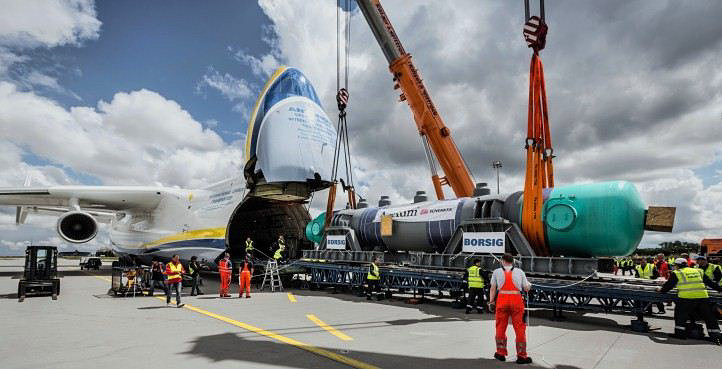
[141, 92]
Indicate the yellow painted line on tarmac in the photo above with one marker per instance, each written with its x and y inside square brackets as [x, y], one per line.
[287, 340]
[283, 339]
[100, 277]
[291, 297]
[290, 341]
[329, 328]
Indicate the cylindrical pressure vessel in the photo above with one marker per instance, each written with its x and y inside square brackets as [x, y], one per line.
[597, 219]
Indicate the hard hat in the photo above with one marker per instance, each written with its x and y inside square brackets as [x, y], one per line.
[701, 257]
[680, 261]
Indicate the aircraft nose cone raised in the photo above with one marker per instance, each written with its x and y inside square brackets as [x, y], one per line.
[286, 137]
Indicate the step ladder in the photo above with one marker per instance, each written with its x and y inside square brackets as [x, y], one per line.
[272, 276]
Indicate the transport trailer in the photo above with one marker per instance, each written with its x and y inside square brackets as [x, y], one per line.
[559, 293]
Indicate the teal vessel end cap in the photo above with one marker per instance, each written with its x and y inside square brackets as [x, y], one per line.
[314, 228]
[596, 219]
[560, 216]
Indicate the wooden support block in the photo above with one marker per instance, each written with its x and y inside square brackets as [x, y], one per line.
[387, 226]
[660, 218]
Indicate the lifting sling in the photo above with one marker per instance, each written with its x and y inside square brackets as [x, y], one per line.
[538, 145]
[342, 96]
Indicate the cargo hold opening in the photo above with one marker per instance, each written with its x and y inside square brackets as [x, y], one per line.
[264, 220]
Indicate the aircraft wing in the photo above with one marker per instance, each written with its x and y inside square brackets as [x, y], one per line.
[102, 216]
[98, 200]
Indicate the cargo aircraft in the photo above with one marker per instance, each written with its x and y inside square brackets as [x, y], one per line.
[289, 151]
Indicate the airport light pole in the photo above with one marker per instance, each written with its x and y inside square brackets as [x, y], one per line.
[497, 165]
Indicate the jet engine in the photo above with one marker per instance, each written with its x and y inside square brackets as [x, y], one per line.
[77, 227]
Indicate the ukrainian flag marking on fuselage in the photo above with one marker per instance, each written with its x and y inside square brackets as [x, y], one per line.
[208, 233]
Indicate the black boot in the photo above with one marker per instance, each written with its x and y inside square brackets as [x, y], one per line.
[499, 357]
[523, 360]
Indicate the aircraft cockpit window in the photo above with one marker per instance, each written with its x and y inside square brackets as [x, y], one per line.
[290, 83]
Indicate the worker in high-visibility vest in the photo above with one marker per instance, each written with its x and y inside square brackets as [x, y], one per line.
[693, 300]
[373, 280]
[647, 270]
[225, 268]
[475, 285]
[712, 271]
[194, 269]
[627, 265]
[249, 247]
[508, 282]
[244, 278]
[174, 279]
[278, 255]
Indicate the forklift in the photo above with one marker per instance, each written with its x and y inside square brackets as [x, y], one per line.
[40, 276]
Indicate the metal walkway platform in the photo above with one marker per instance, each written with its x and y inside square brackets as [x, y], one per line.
[532, 265]
[605, 295]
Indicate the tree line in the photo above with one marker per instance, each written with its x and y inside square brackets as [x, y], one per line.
[672, 248]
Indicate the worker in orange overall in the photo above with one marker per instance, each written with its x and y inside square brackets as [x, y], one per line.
[509, 281]
[225, 268]
[244, 278]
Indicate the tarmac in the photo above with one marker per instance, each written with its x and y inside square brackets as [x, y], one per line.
[298, 328]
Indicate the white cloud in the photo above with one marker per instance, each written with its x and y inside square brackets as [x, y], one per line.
[629, 107]
[47, 23]
[26, 25]
[8, 58]
[230, 87]
[262, 66]
[34, 79]
[643, 104]
[136, 138]
[211, 123]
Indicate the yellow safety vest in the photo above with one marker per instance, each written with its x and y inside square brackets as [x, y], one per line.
[375, 275]
[249, 245]
[475, 280]
[647, 272]
[709, 272]
[175, 271]
[690, 284]
[277, 255]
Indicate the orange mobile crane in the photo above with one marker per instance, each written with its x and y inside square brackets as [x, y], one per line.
[435, 135]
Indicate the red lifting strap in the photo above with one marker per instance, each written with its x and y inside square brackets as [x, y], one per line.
[539, 155]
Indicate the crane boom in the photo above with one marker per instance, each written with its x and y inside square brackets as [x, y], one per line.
[429, 123]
